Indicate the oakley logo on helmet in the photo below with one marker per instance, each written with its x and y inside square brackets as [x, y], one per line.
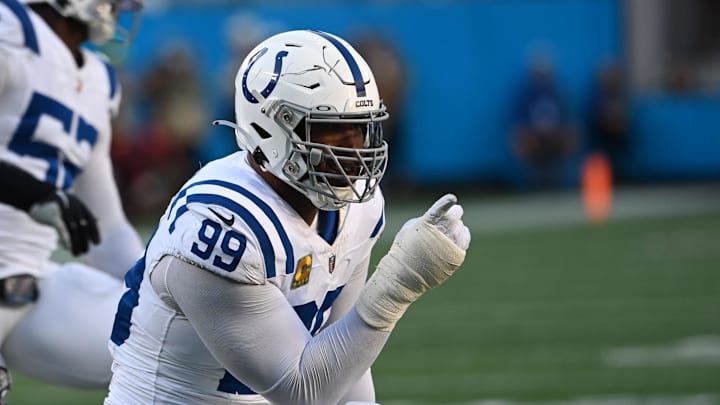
[275, 76]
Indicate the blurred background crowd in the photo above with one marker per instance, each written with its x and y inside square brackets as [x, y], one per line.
[484, 95]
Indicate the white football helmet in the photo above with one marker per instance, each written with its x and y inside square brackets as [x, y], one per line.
[100, 16]
[298, 83]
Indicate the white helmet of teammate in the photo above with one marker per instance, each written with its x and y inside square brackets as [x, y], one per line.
[100, 16]
[295, 83]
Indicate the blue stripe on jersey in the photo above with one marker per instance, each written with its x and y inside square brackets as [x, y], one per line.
[179, 195]
[183, 209]
[129, 300]
[379, 225]
[112, 76]
[327, 225]
[27, 27]
[289, 251]
[352, 64]
[265, 245]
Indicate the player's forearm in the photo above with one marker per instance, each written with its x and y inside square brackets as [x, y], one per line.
[332, 362]
[257, 336]
[363, 390]
[20, 189]
[120, 246]
[424, 254]
[119, 249]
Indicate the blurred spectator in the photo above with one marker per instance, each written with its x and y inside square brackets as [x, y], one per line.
[174, 92]
[544, 136]
[125, 132]
[242, 32]
[390, 71]
[153, 164]
[610, 116]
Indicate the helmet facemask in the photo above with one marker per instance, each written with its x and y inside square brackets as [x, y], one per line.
[99, 16]
[296, 94]
[332, 176]
[101, 21]
[103, 24]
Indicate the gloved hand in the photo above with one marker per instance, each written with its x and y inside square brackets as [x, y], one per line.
[425, 253]
[75, 225]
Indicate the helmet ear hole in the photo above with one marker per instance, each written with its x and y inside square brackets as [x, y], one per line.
[259, 157]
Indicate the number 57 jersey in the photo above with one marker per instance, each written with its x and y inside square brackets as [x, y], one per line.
[54, 120]
[228, 221]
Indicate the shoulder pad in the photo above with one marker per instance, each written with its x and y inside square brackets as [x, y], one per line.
[238, 208]
[215, 240]
[16, 27]
[107, 74]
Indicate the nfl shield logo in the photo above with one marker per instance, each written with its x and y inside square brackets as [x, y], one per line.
[331, 263]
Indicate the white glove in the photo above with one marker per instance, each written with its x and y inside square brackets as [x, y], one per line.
[424, 254]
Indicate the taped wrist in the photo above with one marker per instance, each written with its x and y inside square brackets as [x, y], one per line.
[420, 258]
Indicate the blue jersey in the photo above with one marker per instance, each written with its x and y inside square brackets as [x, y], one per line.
[228, 221]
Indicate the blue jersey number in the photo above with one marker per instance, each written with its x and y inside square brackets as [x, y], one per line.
[307, 313]
[23, 143]
[310, 311]
[232, 245]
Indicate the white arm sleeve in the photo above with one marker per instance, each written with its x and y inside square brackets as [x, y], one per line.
[256, 335]
[120, 245]
[364, 389]
[350, 292]
[4, 58]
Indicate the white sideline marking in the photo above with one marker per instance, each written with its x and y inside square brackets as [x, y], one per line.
[696, 399]
[520, 211]
[694, 350]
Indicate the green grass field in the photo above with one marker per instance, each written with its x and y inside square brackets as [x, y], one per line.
[623, 313]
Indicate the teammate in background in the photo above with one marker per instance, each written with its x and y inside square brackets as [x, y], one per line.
[253, 287]
[56, 182]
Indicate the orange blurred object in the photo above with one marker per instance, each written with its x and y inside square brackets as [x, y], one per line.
[597, 187]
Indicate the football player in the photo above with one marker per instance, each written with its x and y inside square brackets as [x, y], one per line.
[57, 99]
[252, 289]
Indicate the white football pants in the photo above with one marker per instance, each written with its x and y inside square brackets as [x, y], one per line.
[63, 338]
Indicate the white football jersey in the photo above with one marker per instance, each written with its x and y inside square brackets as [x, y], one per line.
[54, 119]
[228, 221]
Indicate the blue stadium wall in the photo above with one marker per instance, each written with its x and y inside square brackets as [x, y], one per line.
[465, 62]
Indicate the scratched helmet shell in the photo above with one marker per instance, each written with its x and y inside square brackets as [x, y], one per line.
[294, 82]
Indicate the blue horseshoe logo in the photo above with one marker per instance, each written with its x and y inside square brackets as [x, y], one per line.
[270, 86]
